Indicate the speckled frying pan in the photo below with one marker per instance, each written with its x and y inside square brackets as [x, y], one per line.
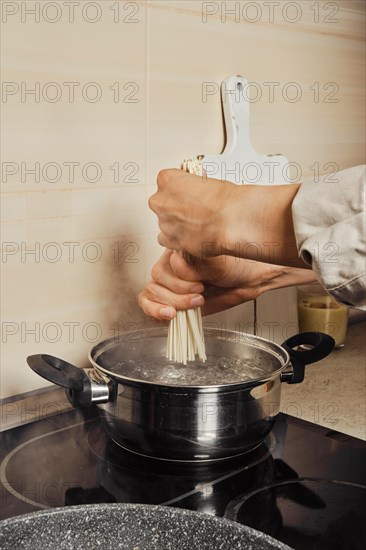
[128, 527]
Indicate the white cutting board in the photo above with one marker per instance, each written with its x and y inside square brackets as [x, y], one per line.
[239, 162]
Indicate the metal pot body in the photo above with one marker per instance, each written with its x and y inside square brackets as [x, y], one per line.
[189, 425]
[169, 421]
[192, 423]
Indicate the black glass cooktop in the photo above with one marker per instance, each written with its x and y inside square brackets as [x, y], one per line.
[304, 486]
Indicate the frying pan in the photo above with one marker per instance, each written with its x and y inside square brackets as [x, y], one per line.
[129, 527]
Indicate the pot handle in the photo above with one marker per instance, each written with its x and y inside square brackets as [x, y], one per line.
[76, 382]
[322, 344]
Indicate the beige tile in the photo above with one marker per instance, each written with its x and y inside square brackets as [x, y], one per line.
[69, 331]
[90, 227]
[125, 199]
[90, 201]
[239, 318]
[151, 251]
[48, 285]
[13, 207]
[48, 204]
[139, 222]
[277, 315]
[14, 232]
[49, 230]
[105, 60]
[68, 334]
[84, 165]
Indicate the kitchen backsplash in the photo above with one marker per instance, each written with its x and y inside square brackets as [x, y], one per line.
[98, 96]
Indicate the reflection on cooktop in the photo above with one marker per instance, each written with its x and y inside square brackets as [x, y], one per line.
[125, 477]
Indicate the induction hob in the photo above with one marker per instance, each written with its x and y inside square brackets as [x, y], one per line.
[304, 486]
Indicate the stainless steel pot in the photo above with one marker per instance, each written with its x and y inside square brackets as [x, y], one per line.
[185, 423]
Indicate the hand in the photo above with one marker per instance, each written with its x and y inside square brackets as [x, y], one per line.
[228, 282]
[208, 217]
[192, 212]
[167, 292]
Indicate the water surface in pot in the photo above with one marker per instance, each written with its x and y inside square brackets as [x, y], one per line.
[230, 360]
[214, 371]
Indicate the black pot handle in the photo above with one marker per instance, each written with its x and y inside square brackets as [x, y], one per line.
[76, 382]
[323, 345]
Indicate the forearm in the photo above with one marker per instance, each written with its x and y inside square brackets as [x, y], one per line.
[268, 277]
[283, 276]
[260, 225]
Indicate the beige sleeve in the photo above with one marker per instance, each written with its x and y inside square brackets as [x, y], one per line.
[329, 223]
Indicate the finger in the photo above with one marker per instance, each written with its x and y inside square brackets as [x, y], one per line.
[188, 272]
[162, 295]
[163, 274]
[166, 175]
[182, 269]
[164, 178]
[154, 309]
[166, 242]
[152, 202]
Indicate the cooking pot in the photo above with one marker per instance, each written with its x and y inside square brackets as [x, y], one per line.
[185, 422]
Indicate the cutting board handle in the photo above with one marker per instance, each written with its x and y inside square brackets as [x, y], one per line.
[236, 113]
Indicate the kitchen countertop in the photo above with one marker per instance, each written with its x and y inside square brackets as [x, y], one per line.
[333, 392]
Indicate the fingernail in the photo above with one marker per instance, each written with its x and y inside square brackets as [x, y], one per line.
[197, 301]
[167, 312]
[197, 288]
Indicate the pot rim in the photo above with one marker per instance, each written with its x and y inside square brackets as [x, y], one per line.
[276, 350]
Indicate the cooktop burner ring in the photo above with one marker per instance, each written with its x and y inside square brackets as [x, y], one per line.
[234, 505]
[332, 511]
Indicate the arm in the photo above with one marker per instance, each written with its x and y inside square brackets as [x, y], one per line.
[318, 226]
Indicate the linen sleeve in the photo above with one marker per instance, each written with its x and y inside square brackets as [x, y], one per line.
[329, 224]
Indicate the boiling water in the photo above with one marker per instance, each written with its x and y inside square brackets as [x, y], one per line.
[213, 372]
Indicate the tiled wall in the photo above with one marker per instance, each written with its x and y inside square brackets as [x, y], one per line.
[118, 95]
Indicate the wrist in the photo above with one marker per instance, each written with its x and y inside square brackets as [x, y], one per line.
[284, 276]
[225, 227]
[259, 224]
[244, 218]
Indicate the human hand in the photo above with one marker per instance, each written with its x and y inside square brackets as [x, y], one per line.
[208, 217]
[228, 282]
[193, 212]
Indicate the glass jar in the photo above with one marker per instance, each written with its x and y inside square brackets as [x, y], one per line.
[318, 311]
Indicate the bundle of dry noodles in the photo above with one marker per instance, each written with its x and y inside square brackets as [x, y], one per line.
[185, 334]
